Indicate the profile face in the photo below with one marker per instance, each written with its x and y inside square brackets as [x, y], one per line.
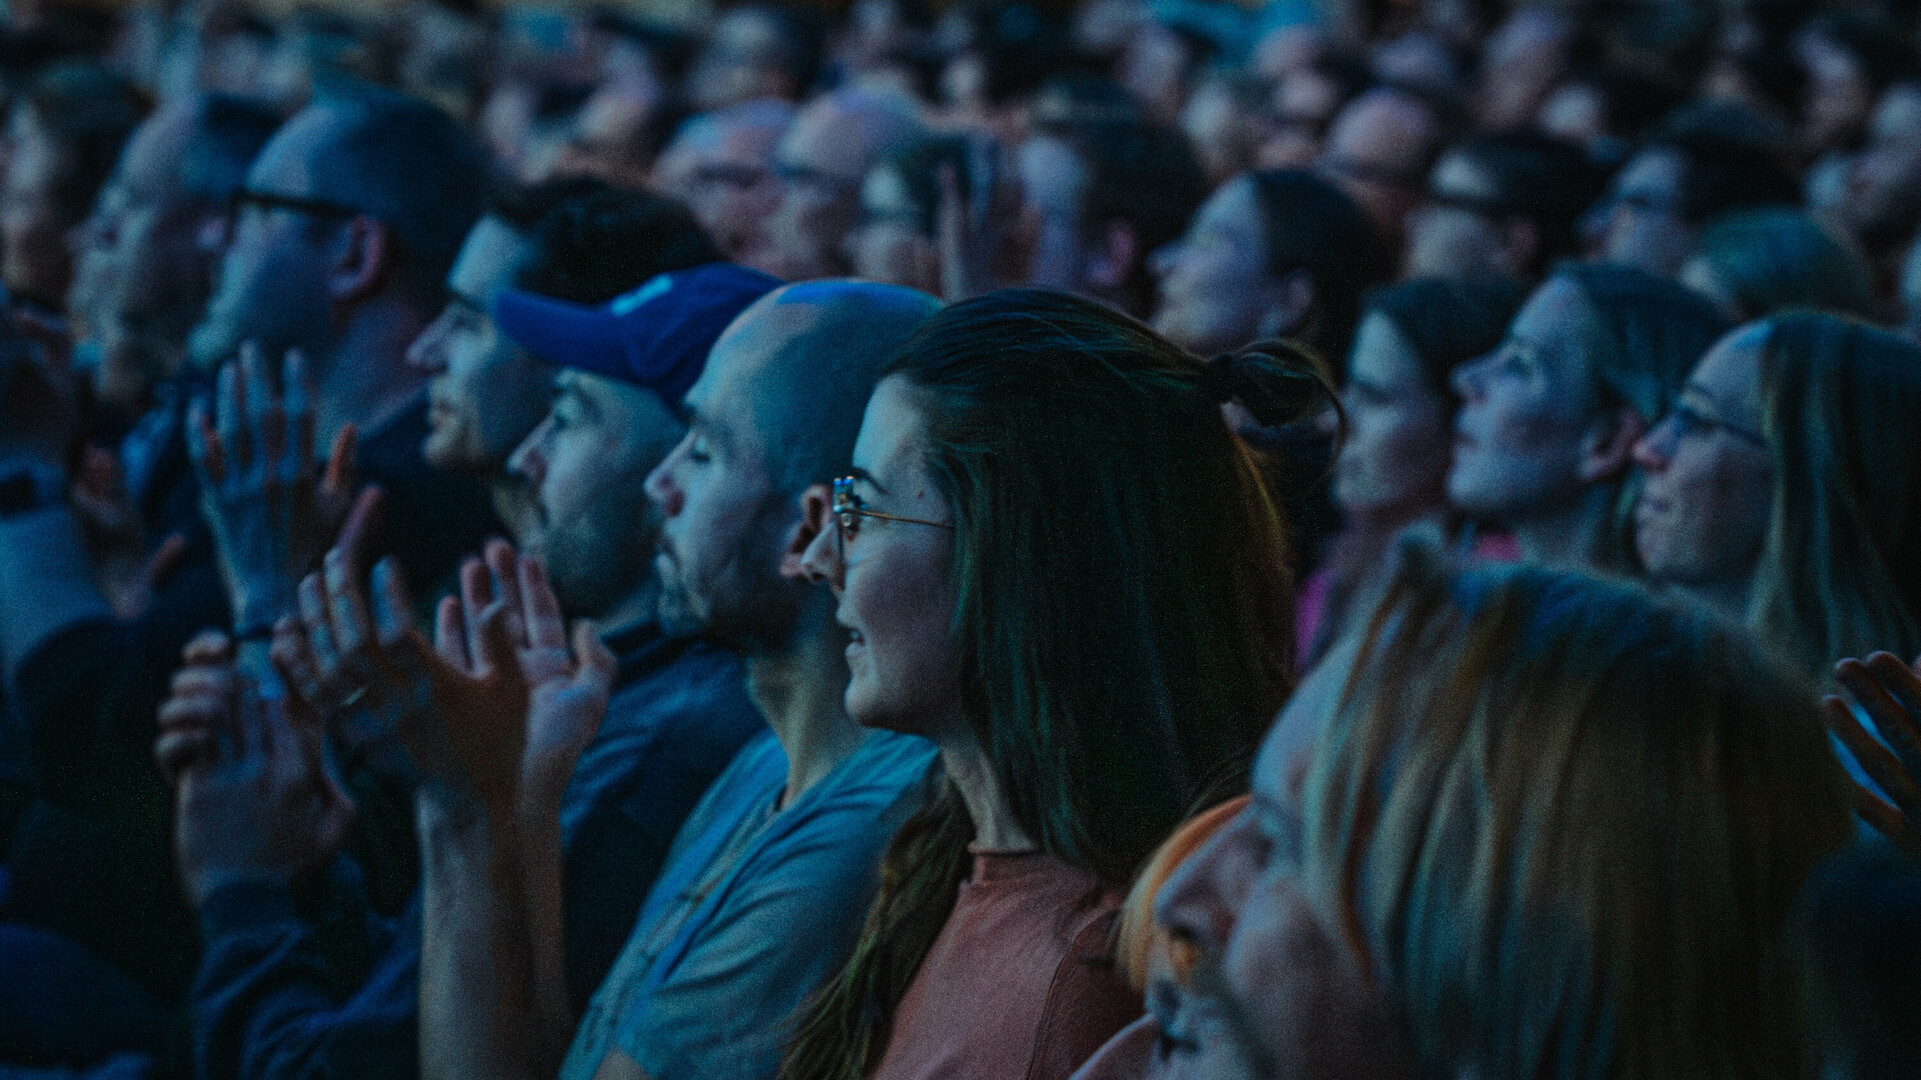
[1393, 462]
[588, 520]
[1525, 411]
[1702, 514]
[1446, 236]
[1211, 279]
[888, 245]
[1295, 998]
[484, 394]
[894, 579]
[1639, 220]
[271, 284]
[723, 518]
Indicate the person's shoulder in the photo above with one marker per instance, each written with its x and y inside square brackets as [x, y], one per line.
[1087, 1002]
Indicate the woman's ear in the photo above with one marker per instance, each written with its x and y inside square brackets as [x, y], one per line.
[816, 517]
[1608, 447]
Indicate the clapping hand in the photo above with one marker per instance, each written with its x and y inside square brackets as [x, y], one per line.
[255, 799]
[1889, 691]
[270, 510]
[496, 706]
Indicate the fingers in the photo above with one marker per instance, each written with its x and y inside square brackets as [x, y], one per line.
[393, 607]
[264, 420]
[494, 638]
[1881, 817]
[204, 445]
[476, 593]
[342, 464]
[174, 752]
[229, 408]
[598, 665]
[166, 558]
[347, 605]
[1881, 766]
[504, 569]
[208, 647]
[296, 406]
[293, 658]
[540, 607]
[450, 634]
[1894, 720]
[358, 532]
[318, 621]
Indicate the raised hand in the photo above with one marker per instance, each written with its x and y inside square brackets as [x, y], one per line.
[255, 799]
[200, 706]
[568, 695]
[271, 511]
[1889, 691]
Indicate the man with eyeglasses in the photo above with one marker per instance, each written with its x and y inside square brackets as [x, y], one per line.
[91, 903]
[721, 164]
[341, 241]
[821, 161]
[1703, 161]
[1501, 205]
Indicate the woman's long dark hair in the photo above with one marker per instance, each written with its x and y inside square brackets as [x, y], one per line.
[1124, 627]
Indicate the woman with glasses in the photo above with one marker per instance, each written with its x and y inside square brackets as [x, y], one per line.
[1056, 561]
[1785, 486]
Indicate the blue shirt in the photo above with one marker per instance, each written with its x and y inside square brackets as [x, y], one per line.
[319, 986]
[756, 908]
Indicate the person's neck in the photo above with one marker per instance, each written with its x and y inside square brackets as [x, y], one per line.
[1568, 535]
[801, 689]
[973, 773]
[1375, 528]
[365, 379]
[630, 611]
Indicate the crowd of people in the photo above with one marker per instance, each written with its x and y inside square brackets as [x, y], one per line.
[1133, 539]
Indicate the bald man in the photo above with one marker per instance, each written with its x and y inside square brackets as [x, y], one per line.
[783, 846]
[821, 162]
[1378, 152]
[721, 164]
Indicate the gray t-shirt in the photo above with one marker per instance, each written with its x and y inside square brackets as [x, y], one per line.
[755, 909]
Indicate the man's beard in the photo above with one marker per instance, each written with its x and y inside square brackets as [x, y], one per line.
[599, 558]
[743, 603]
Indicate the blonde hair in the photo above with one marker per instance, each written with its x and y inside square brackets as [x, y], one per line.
[1564, 823]
[1138, 937]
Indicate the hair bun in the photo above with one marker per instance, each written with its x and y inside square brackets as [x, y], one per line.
[1277, 382]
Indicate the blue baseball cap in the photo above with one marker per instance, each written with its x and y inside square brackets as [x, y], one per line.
[656, 336]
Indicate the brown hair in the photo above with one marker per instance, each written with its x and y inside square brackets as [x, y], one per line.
[1841, 411]
[1566, 824]
[1124, 627]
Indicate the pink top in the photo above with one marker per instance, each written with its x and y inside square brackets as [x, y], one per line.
[1020, 983]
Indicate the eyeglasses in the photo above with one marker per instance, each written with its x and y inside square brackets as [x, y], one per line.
[848, 510]
[1690, 421]
[815, 180]
[267, 200]
[1344, 168]
[1487, 207]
